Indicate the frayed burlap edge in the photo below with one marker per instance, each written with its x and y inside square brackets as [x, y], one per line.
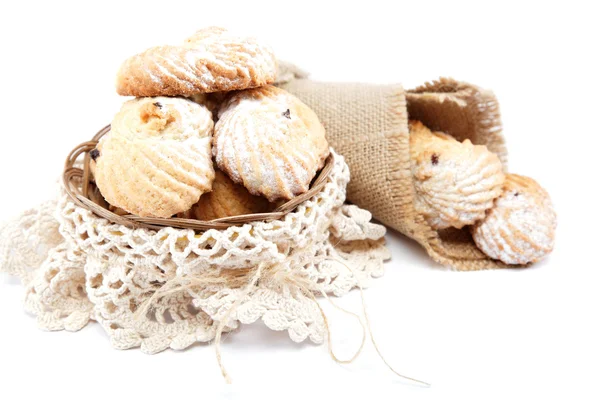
[462, 110]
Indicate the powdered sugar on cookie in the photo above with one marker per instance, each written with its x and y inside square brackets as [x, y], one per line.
[455, 182]
[211, 60]
[269, 141]
[520, 228]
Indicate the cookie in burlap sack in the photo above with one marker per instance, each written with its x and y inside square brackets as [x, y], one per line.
[368, 124]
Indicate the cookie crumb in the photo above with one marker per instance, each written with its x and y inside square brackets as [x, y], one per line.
[286, 114]
[95, 154]
[435, 159]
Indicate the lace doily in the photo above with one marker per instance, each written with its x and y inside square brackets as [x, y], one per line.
[168, 288]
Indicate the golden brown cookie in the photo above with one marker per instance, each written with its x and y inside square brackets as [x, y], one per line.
[455, 182]
[270, 142]
[228, 199]
[211, 60]
[156, 160]
[520, 228]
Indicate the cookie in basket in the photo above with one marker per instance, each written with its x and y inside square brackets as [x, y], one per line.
[156, 160]
[211, 60]
[227, 199]
[455, 182]
[520, 228]
[269, 141]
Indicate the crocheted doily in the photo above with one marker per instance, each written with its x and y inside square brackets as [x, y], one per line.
[168, 288]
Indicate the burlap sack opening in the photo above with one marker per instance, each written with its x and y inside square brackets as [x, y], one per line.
[368, 124]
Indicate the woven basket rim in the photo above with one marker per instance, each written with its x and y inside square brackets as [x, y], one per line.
[84, 193]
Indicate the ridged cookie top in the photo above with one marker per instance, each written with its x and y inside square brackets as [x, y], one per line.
[211, 60]
[228, 199]
[520, 228]
[156, 160]
[455, 182]
[270, 142]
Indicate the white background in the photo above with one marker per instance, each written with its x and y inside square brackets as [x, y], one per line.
[525, 334]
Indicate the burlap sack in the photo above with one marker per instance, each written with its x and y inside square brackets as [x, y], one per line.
[368, 124]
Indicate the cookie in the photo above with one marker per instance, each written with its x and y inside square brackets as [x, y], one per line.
[455, 183]
[520, 228]
[156, 160]
[211, 60]
[270, 142]
[228, 199]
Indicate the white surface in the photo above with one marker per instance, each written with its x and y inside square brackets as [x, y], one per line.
[525, 334]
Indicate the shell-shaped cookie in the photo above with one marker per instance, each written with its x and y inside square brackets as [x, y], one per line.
[520, 228]
[455, 182]
[270, 142]
[211, 60]
[228, 199]
[156, 160]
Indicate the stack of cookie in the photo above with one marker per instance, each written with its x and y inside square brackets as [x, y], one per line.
[206, 136]
[460, 184]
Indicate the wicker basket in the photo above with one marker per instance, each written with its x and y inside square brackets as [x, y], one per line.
[82, 190]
